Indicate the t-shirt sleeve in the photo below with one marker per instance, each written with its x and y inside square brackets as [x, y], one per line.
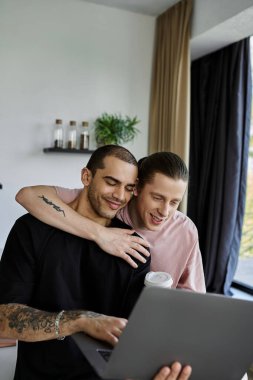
[17, 267]
[193, 275]
[67, 195]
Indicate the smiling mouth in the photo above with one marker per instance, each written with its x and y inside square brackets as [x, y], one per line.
[156, 220]
[114, 205]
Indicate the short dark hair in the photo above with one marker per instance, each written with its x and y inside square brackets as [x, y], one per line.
[167, 163]
[96, 160]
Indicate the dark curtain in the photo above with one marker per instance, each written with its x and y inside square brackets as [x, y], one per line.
[219, 142]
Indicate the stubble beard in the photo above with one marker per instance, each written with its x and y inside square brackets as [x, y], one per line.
[97, 205]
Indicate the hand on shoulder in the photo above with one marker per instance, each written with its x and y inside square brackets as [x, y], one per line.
[122, 243]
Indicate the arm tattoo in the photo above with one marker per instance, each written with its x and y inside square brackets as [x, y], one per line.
[47, 201]
[74, 314]
[92, 314]
[21, 318]
[26, 321]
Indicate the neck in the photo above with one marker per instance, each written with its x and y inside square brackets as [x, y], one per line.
[83, 207]
[133, 213]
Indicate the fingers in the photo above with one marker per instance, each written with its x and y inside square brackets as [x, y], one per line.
[135, 254]
[114, 331]
[121, 243]
[175, 372]
[186, 373]
[137, 250]
[134, 247]
[136, 239]
[162, 374]
[128, 259]
[139, 244]
[105, 328]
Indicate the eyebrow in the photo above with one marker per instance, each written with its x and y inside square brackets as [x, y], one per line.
[117, 181]
[162, 196]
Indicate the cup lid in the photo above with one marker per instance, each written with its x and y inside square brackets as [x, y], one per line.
[162, 279]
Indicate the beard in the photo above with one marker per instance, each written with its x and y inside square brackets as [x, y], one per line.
[98, 205]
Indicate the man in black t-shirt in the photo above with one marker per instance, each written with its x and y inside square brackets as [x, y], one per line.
[44, 271]
[50, 280]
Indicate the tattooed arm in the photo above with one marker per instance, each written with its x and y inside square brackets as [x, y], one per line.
[24, 323]
[31, 325]
[55, 207]
[43, 203]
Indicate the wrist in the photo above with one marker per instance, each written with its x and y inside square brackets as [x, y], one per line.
[70, 322]
[97, 232]
[85, 321]
[80, 324]
[57, 328]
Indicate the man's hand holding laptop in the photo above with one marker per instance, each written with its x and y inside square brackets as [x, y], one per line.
[109, 329]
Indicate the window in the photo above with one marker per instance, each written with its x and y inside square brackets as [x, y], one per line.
[244, 272]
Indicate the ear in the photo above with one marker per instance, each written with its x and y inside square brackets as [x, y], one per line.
[86, 176]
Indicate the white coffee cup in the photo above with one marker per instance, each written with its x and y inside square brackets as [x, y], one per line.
[160, 279]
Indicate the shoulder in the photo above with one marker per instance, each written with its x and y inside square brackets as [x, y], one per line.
[25, 221]
[117, 223]
[26, 238]
[185, 223]
[29, 221]
[120, 224]
[29, 228]
[67, 195]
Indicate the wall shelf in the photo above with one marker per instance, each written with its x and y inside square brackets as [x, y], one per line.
[66, 150]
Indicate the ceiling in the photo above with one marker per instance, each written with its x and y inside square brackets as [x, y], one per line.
[146, 7]
[215, 23]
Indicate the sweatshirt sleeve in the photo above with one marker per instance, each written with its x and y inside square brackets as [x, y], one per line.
[67, 195]
[193, 275]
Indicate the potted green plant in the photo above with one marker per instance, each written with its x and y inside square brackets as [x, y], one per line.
[115, 129]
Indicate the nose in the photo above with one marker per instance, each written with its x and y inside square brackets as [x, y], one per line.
[119, 193]
[164, 210]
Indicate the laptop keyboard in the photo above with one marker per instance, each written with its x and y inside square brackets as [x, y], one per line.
[105, 354]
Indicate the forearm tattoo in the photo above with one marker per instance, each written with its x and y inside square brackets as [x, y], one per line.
[47, 201]
[22, 319]
[91, 314]
[74, 314]
[27, 321]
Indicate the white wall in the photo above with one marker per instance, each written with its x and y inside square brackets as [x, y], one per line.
[64, 59]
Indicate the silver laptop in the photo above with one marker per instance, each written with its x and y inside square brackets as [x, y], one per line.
[212, 333]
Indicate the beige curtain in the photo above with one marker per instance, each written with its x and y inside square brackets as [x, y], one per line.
[170, 91]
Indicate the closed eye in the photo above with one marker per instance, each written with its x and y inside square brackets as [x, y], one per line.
[175, 203]
[110, 182]
[157, 198]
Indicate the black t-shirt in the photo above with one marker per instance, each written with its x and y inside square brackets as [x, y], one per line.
[51, 270]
